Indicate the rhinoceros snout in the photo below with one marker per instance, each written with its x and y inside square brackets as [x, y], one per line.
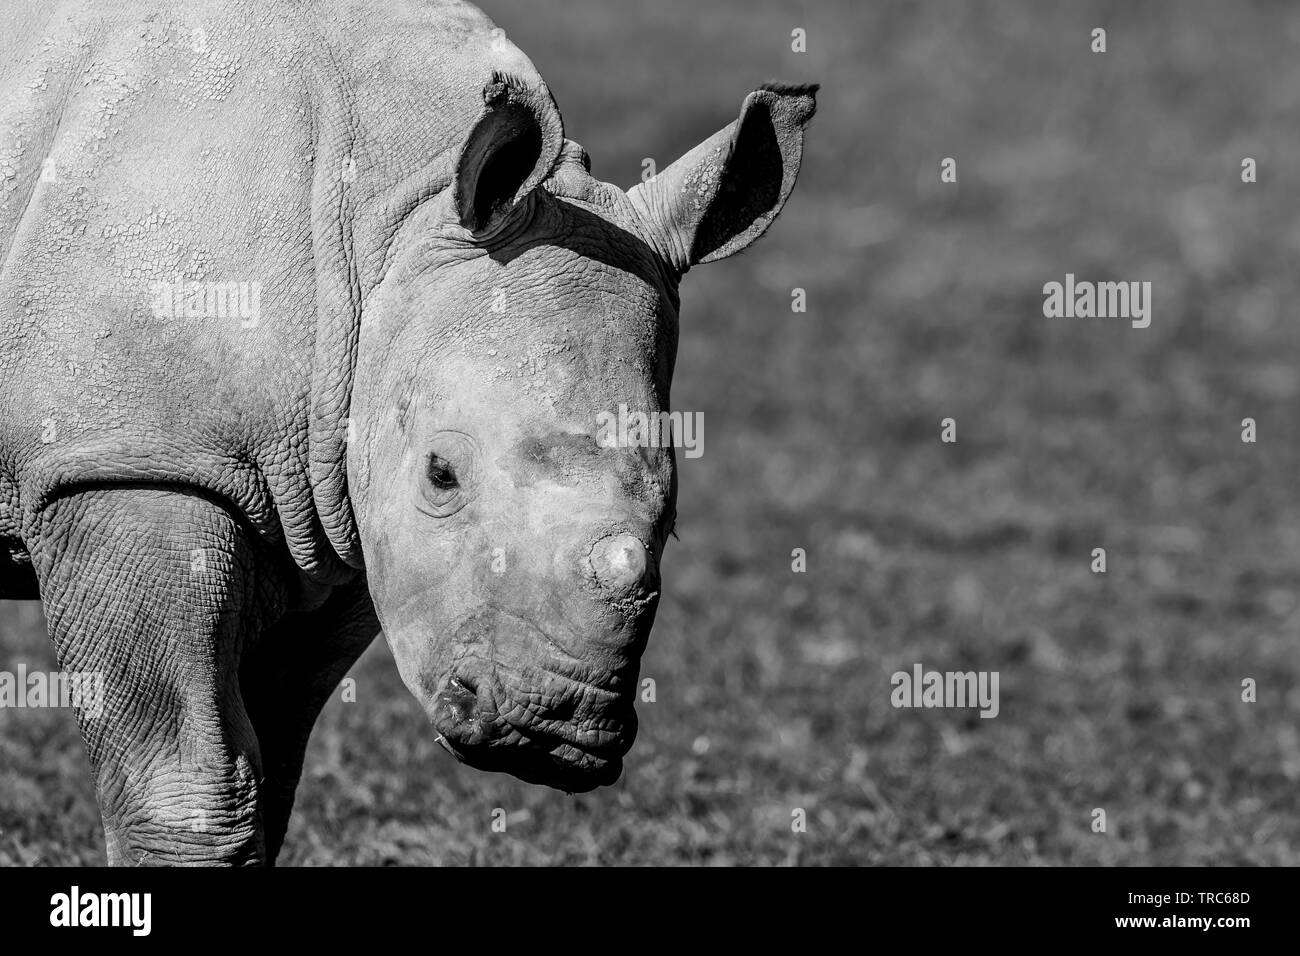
[624, 566]
[539, 679]
[476, 723]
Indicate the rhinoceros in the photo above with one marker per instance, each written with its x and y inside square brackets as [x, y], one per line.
[308, 312]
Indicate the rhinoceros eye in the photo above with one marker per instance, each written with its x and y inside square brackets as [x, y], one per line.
[443, 488]
[441, 475]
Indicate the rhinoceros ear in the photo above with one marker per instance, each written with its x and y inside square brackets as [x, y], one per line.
[723, 194]
[510, 150]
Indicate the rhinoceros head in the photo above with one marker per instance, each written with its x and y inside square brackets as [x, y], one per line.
[512, 549]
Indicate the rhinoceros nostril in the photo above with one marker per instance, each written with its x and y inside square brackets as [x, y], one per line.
[621, 562]
[456, 702]
[463, 715]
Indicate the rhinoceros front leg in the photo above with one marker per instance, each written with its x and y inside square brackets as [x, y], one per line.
[286, 681]
[157, 592]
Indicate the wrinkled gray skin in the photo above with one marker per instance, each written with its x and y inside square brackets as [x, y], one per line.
[218, 515]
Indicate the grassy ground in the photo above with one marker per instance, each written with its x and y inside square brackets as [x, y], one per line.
[1119, 691]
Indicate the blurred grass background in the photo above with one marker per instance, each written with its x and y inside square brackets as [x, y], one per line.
[1119, 691]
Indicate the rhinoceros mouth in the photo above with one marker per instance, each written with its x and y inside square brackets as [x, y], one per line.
[577, 772]
[479, 725]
